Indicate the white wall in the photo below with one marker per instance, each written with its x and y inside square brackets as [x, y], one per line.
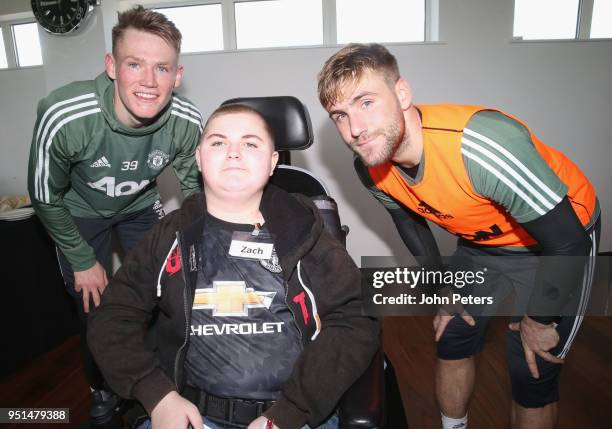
[563, 90]
[14, 6]
[20, 91]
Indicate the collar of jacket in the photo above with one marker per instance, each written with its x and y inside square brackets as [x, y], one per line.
[293, 220]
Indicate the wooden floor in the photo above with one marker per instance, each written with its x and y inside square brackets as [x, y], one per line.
[586, 396]
[56, 379]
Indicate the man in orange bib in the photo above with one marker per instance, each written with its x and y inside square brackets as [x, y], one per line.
[485, 177]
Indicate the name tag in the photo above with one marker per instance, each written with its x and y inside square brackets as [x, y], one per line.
[250, 249]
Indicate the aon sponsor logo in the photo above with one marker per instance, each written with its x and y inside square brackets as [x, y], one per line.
[108, 186]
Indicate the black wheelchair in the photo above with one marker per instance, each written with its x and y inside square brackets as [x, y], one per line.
[374, 400]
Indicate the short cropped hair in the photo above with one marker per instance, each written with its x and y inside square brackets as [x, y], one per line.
[229, 109]
[349, 64]
[149, 21]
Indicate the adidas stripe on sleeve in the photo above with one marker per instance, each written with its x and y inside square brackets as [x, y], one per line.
[504, 166]
[52, 121]
[188, 111]
[49, 174]
[184, 162]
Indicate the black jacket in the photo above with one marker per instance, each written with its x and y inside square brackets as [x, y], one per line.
[140, 333]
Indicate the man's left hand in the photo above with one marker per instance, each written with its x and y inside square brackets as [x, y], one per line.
[537, 339]
[260, 423]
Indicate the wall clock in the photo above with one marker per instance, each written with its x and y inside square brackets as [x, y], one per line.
[62, 16]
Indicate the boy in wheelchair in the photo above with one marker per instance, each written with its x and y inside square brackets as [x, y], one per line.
[238, 310]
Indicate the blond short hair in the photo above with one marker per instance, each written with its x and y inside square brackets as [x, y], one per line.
[348, 65]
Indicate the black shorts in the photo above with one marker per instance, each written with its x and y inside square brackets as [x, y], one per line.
[517, 276]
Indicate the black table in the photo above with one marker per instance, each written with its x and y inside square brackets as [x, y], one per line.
[36, 312]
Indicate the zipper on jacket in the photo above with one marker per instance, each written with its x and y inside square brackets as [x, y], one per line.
[292, 313]
[161, 270]
[313, 303]
[185, 301]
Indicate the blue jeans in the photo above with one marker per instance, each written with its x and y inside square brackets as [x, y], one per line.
[331, 423]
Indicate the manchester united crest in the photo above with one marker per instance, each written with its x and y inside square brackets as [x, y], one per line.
[272, 264]
[157, 159]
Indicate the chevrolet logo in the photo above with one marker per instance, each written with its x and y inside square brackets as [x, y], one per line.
[231, 299]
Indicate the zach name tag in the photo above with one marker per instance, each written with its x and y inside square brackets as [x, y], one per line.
[250, 249]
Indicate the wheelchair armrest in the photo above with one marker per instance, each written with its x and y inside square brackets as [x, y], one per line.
[331, 219]
[363, 404]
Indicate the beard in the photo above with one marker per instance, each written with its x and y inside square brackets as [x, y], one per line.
[396, 138]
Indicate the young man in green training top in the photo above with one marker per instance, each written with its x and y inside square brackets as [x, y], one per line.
[97, 149]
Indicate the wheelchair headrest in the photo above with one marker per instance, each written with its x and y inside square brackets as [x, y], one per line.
[287, 116]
